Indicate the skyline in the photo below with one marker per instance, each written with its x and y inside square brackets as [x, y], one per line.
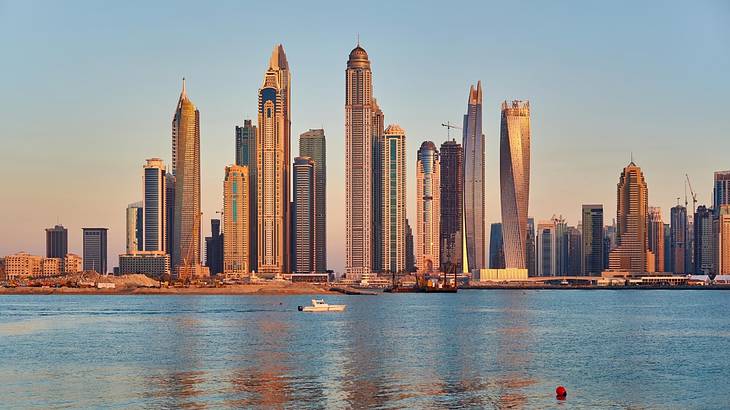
[614, 131]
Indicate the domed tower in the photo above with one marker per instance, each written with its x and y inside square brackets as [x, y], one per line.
[428, 204]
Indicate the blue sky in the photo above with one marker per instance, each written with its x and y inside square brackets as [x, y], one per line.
[88, 90]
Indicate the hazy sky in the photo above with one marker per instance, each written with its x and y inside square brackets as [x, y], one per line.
[88, 90]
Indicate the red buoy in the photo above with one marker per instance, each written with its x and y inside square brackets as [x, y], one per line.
[561, 393]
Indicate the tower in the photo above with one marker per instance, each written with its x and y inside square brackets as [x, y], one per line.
[312, 144]
[428, 205]
[452, 199]
[630, 255]
[236, 221]
[305, 211]
[56, 242]
[393, 171]
[154, 205]
[474, 210]
[246, 155]
[592, 237]
[135, 227]
[656, 237]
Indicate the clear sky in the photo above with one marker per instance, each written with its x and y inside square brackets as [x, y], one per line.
[88, 90]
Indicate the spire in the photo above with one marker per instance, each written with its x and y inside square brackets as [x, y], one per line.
[278, 59]
[183, 94]
[475, 95]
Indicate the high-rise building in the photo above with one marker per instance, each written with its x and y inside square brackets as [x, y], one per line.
[667, 248]
[703, 241]
[56, 242]
[452, 199]
[496, 254]
[305, 210]
[235, 221]
[214, 248]
[410, 257]
[393, 184]
[547, 258]
[515, 180]
[593, 252]
[678, 239]
[428, 208]
[376, 178]
[135, 227]
[274, 131]
[169, 214]
[632, 221]
[312, 145]
[359, 141]
[721, 191]
[531, 245]
[246, 155]
[656, 237]
[561, 245]
[474, 234]
[722, 241]
[575, 251]
[154, 205]
[186, 169]
[95, 248]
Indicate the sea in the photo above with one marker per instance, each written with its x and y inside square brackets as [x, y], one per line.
[501, 349]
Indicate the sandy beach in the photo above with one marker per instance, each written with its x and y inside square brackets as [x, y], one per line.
[252, 289]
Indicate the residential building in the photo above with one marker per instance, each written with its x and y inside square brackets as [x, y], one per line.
[154, 205]
[393, 183]
[631, 254]
[410, 257]
[703, 241]
[305, 210]
[721, 191]
[474, 190]
[452, 200]
[236, 221]
[428, 208]
[135, 227]
[312, 144]
[656, 237]
[72, 263]
[592, 236]
[722, 242]
[575, 251]
[547, 258]
[22, 266]
[247, 155]
[214, 247]
[678, 239]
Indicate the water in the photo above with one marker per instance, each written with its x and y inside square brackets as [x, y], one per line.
[475, 349]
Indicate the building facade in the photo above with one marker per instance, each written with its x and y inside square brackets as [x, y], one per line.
[236, 221]
[656, 237]
[155, 264]
[72, 263]
[632, 193]
[678, 239]
[722, 241]
[214, 247]
[452, 200]
[154, 205]
[273, 153]
[95, 249]
[575, 251]
[185, 250]
[135, 227]
[305, 211]
[592, 237]
[703, 239]
[515, 180]
[474, 232]
[531, 251]
[246, 155]
[410, 257]
[721, 191]
[376, 178]
[547, 259]
[428, 208]
[496, 254]
[56, 242]
[312, 144]
[393, 184]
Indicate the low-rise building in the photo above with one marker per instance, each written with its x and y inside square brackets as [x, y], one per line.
[499, 275]
[51, 266]
[72, 263]
[22, 265]
[155, 264]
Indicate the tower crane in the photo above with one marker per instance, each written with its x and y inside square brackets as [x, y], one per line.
[448, 126]
[692, 192]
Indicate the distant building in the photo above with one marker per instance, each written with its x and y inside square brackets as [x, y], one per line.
[376, 215]
[473, 141]
[393, 171]
[51, 266]
[236, 221]
[531, 245]
[722, 243]
[56, 242]
[703, 241]
[214, 248]
[135, 227]
[496, 254]
[515, 180]
[452, 199]
[428, 205]
[410, 257]
[169, 214]
[155, 264]
[22, 265]
[72, 263]
[305, 204]
[154, 205]
[656, 237]
[667, 248]
[246, 155]
[95, 248]
[547, 248]
[631, 254]
[592, 236]
[561, 245]
[721, 191]
[312, 144]
[678, 239]
[575, 251]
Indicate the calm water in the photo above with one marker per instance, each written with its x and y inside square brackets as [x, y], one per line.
[477, 349]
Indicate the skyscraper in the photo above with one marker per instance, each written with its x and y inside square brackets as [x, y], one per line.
[154, 205]
[186, 169]
[359, 140]
[376, 178]
[428, 205]
[678, 239]
[656, 237]
[393, 172]
[561, 245]
[575, 251]
[95, 248]
[273, 152]
[593, 252]
[632, 216]
[452, 199]
[721, 191]
[214, 248]
[410, 257]
[496, 254]
[547, 248]
[56, 242]
[305, 211]
[531, 248]
[703, 241]
[722, 242]
[514, 159]
[169, 213]
[246, 155]
[474, 211]
[236, 221]
[135, 227]
[312, 145]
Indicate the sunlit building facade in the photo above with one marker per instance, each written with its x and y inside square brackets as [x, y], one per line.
[56, 242]
[722, 241]
[246, 155]
[135, 227]
[656, 237]
[452, 200]
[592, 237]
[154, 205]
[393, 171]
[703, 239]
[428, 208]
[312, 145]
[515, 180]
[631, 253]
[305, 210]
[474, 232]
[236, 221]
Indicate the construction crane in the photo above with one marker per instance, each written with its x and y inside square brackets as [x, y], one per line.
[692, 192]
[448, 126]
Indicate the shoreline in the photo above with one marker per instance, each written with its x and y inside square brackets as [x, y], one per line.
[233, 290]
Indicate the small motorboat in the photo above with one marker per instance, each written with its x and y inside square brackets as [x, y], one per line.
[319, 305]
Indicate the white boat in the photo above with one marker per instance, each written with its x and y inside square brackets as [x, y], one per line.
[319, 305]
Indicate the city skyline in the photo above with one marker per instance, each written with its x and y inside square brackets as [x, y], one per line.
[547, 197]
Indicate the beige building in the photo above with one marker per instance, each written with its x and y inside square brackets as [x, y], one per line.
[236, 221]
[72, 263]
[393, 207]
[428, 205]
[51, 266]
[273, 158]
[722, 241]
[23, 265]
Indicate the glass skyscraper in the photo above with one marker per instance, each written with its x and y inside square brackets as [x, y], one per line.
[246, 155]
[312, 145]
[452, 199]
[393, 171]
[428, 212]
[592, 236]
[474, 209]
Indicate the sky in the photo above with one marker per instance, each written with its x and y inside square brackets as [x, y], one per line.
[88, 90]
